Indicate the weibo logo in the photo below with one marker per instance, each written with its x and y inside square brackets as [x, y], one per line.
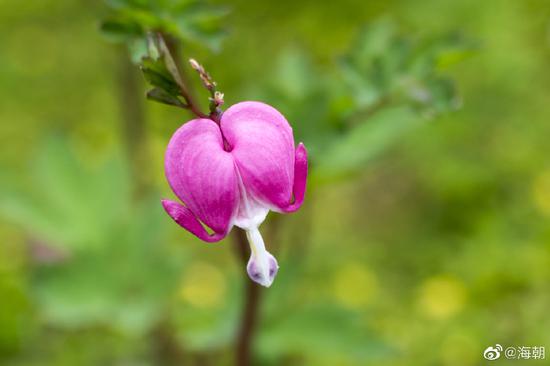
[492, 353]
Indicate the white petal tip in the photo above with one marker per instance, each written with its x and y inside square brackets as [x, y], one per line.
[262, 270]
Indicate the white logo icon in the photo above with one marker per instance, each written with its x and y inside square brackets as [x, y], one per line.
[492, 353]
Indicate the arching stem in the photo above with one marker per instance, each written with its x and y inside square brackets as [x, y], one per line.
[251, 306]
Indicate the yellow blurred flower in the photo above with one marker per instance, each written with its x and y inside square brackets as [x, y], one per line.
[203, 286]
[441, 297]
[541, 192]
[354, 286]
[459, 349]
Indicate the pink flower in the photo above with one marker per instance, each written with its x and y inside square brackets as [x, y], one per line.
[234, 173]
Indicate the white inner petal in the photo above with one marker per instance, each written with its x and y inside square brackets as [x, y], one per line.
[250, 213]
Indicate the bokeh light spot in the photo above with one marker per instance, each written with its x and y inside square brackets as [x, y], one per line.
[203, 286]
[441, 297]
[354, 286]
[541, 192]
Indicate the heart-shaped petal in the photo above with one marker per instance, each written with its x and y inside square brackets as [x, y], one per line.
[202, 174]
[262, 144]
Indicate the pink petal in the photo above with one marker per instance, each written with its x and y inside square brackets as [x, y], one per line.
[300, 178]
[185, 218]
[202, 175]
[262, 144]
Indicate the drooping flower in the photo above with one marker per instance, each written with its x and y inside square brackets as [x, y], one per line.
[232, 174]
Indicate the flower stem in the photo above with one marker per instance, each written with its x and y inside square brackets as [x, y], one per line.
[173, 47]
[249, 317]
[253, 295]
[216, 97]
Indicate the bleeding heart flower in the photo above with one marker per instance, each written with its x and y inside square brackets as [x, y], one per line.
[233, 174]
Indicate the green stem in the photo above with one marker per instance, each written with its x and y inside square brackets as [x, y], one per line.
[133, 122]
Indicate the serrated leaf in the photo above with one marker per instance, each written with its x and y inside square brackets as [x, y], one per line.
[186, 20]
[387, 64]
[156, 74]
[169, 62]
[161, 96]
[160, 70]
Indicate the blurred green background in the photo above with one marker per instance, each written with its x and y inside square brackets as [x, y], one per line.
[424, 237]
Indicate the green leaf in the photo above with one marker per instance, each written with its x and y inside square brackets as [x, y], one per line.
[70, 207]
[157, 74]
[349, 154]
[125, 285]
[200, 24]
[161, 96]
[294, 75]
[320, 332]
[121, 30]
[117, 271]
[185, 20]
[304, 95]
[137, 48]
[388, 64]
[159, 69]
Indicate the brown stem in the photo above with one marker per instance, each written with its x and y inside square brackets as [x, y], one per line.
[216, 97]
[174, 47]
[251, 306]
[133, 126]
[167, 350]
[253, 292]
